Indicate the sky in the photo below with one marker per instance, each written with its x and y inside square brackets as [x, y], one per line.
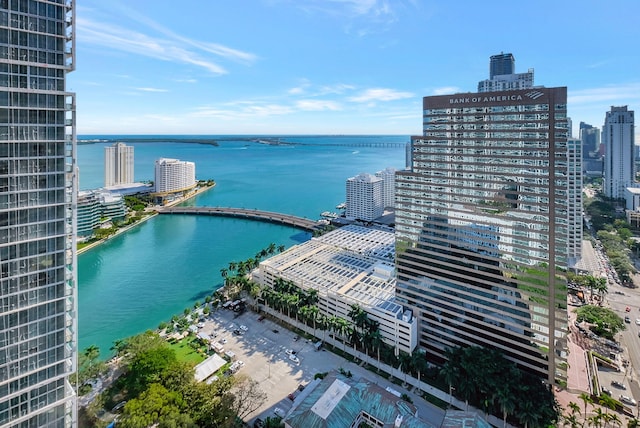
[331, 67]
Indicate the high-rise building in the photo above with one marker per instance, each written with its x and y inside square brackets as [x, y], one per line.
[501, 64]
[364, 197]
[590, 137]
[574, 207]
[173, 175]
[38, 176]
[481, 226]
[118, 165]
[388, 177]
[619, 151]
[502, 75]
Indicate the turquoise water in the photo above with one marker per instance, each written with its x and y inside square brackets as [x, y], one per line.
[140, 278]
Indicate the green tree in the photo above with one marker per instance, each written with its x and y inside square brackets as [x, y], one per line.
[586, 399]
[505, 399]
[147, 367]
[156, 406]
[607, 322]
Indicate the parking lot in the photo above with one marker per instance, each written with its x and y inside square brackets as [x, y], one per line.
[263, 350]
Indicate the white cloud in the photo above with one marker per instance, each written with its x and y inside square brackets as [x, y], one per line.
[246, 111]
[152, 90]
[614, 93]
[119, 38]
[213, 48]
[380, 94]
[317, 105]
[446, 90]
[335, 89]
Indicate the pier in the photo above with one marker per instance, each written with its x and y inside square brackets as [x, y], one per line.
[255, 214]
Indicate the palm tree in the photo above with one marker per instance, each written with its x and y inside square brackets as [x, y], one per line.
[607, 402]
[506, 400]
[355, 338]
[271, 249]
[345, 332]
[571, 421]
[598, 417]
[375, 339]
[223, 273]
[450, 373]
[528, 414]
[633, 423]
[586, 399]
[304, 314]
[313, 315]
[311, 296]
[281, 248]
[615, 419]
[419, 363]
[574, 408]
[358, 316]
[405, 364]
[92, 352]
[233, 266]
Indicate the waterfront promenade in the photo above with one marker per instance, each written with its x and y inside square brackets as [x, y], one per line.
[272, 217]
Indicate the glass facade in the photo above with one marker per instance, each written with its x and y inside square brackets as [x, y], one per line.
[37, 214]
[481, 226]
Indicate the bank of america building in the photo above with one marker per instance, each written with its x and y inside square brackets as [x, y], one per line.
[481, 226]
[37, 214]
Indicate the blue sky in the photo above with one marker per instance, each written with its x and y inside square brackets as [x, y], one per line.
[335, 66]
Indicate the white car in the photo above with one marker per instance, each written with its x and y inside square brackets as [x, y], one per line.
[628, 400]
[637, 321]
[278, 412]
[244, 328]
[290, 352]
[294, 359]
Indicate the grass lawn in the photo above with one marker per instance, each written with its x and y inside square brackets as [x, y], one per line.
[184, 351]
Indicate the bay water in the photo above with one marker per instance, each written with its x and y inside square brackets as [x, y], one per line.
[142, 277]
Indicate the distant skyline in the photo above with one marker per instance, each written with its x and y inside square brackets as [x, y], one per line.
[335, 66]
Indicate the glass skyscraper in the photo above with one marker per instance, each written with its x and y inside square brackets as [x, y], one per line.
[481, 226]
[37, 214]
[501, 64]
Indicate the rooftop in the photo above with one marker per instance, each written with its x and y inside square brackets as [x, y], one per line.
[352, 261]
[337, 401]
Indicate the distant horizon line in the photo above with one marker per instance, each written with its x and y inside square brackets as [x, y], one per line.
[246, 135]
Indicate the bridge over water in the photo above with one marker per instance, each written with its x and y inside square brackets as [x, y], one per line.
[268, 216]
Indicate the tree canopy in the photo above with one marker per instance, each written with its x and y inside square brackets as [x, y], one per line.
[605, 321]
[486, 379]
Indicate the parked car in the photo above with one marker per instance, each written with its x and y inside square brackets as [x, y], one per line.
[618, 384]
[628, 400]
[294, 359]
[258, 423]
[627, 320]
[244, 328]
[637, 321]
[606, 391]
[290, 352]
[278, 412]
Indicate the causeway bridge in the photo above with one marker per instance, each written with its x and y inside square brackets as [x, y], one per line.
[268, 216]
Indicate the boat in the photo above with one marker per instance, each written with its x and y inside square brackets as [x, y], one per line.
[328, 214]
[341, 206]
